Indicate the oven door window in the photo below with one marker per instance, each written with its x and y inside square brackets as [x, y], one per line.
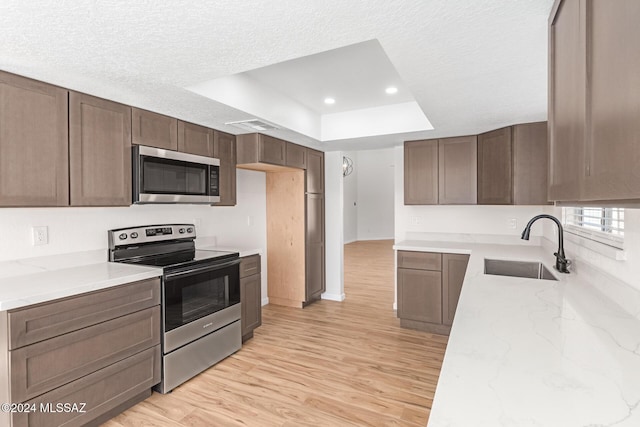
[190, 296]
[167, 176]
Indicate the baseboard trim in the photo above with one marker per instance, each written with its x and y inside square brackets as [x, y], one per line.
[333, 297]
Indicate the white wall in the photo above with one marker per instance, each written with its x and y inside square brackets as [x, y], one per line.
[410, 221]
[85, 229]
[350, 199]
[334, 247]
[376, 194]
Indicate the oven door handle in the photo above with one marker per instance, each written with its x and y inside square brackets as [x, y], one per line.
[191, 271]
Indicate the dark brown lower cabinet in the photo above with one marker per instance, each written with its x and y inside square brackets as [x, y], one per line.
[250, 295]
[454, 266]
[429, 286]
[103, 363]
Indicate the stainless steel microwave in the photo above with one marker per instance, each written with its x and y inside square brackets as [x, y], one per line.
[166, 176]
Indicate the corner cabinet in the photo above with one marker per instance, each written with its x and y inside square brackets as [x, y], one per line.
[594, 101]
[99, 151]
[250, 295]
[513, 166]
[495, 168]
[429, 286]
[34, 146]
[101, 349]
[530, 164]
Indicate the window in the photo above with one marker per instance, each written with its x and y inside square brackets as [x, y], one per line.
[604, 225]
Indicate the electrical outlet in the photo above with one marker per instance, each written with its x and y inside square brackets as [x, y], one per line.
[512, 223]
[249, 220]
[40, 235]
[415, 220]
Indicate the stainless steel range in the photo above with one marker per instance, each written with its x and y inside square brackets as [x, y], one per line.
[200, 296]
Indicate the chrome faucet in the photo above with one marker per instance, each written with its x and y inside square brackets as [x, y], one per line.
[561, 260]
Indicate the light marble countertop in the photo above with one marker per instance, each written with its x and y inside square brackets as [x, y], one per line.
[30, 281]
[528, 352]
[36, 280]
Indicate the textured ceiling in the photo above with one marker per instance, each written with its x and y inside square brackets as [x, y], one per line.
[471, 65]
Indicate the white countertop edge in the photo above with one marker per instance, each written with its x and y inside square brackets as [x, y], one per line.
[433, 247]
[40, 292]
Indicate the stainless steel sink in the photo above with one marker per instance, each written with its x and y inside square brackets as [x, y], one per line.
[531, 270]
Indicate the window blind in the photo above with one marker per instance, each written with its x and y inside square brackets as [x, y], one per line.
[604, 225]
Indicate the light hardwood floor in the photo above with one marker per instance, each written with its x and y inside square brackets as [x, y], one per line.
[330, 364]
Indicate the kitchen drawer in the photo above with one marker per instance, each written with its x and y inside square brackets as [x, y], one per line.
[249, 265]
[420, 260]
[101, 391]
[43, 321]
[43, 366]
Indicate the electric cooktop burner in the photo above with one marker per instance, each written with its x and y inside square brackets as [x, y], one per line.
[166, 246]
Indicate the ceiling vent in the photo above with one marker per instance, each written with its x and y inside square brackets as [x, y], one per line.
[253, 125]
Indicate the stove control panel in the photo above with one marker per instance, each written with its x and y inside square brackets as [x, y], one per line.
[159, 231]
[150, 233]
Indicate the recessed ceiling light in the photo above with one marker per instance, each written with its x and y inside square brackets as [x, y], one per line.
[329, 101]
[391, 90]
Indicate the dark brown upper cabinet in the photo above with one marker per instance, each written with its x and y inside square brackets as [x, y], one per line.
[440, 171]
[99, 151]
[612, 146]
[195, 139]
[457, 162]
[495, 172]
[296, 156]
[224, 149]
[315, 172]
[566, 99]
[34, 144]
[259, 148]
[594, 101]
[421, 172]
[153, 129]
[530, 164]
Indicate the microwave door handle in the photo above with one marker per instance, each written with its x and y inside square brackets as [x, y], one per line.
[192, 271]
